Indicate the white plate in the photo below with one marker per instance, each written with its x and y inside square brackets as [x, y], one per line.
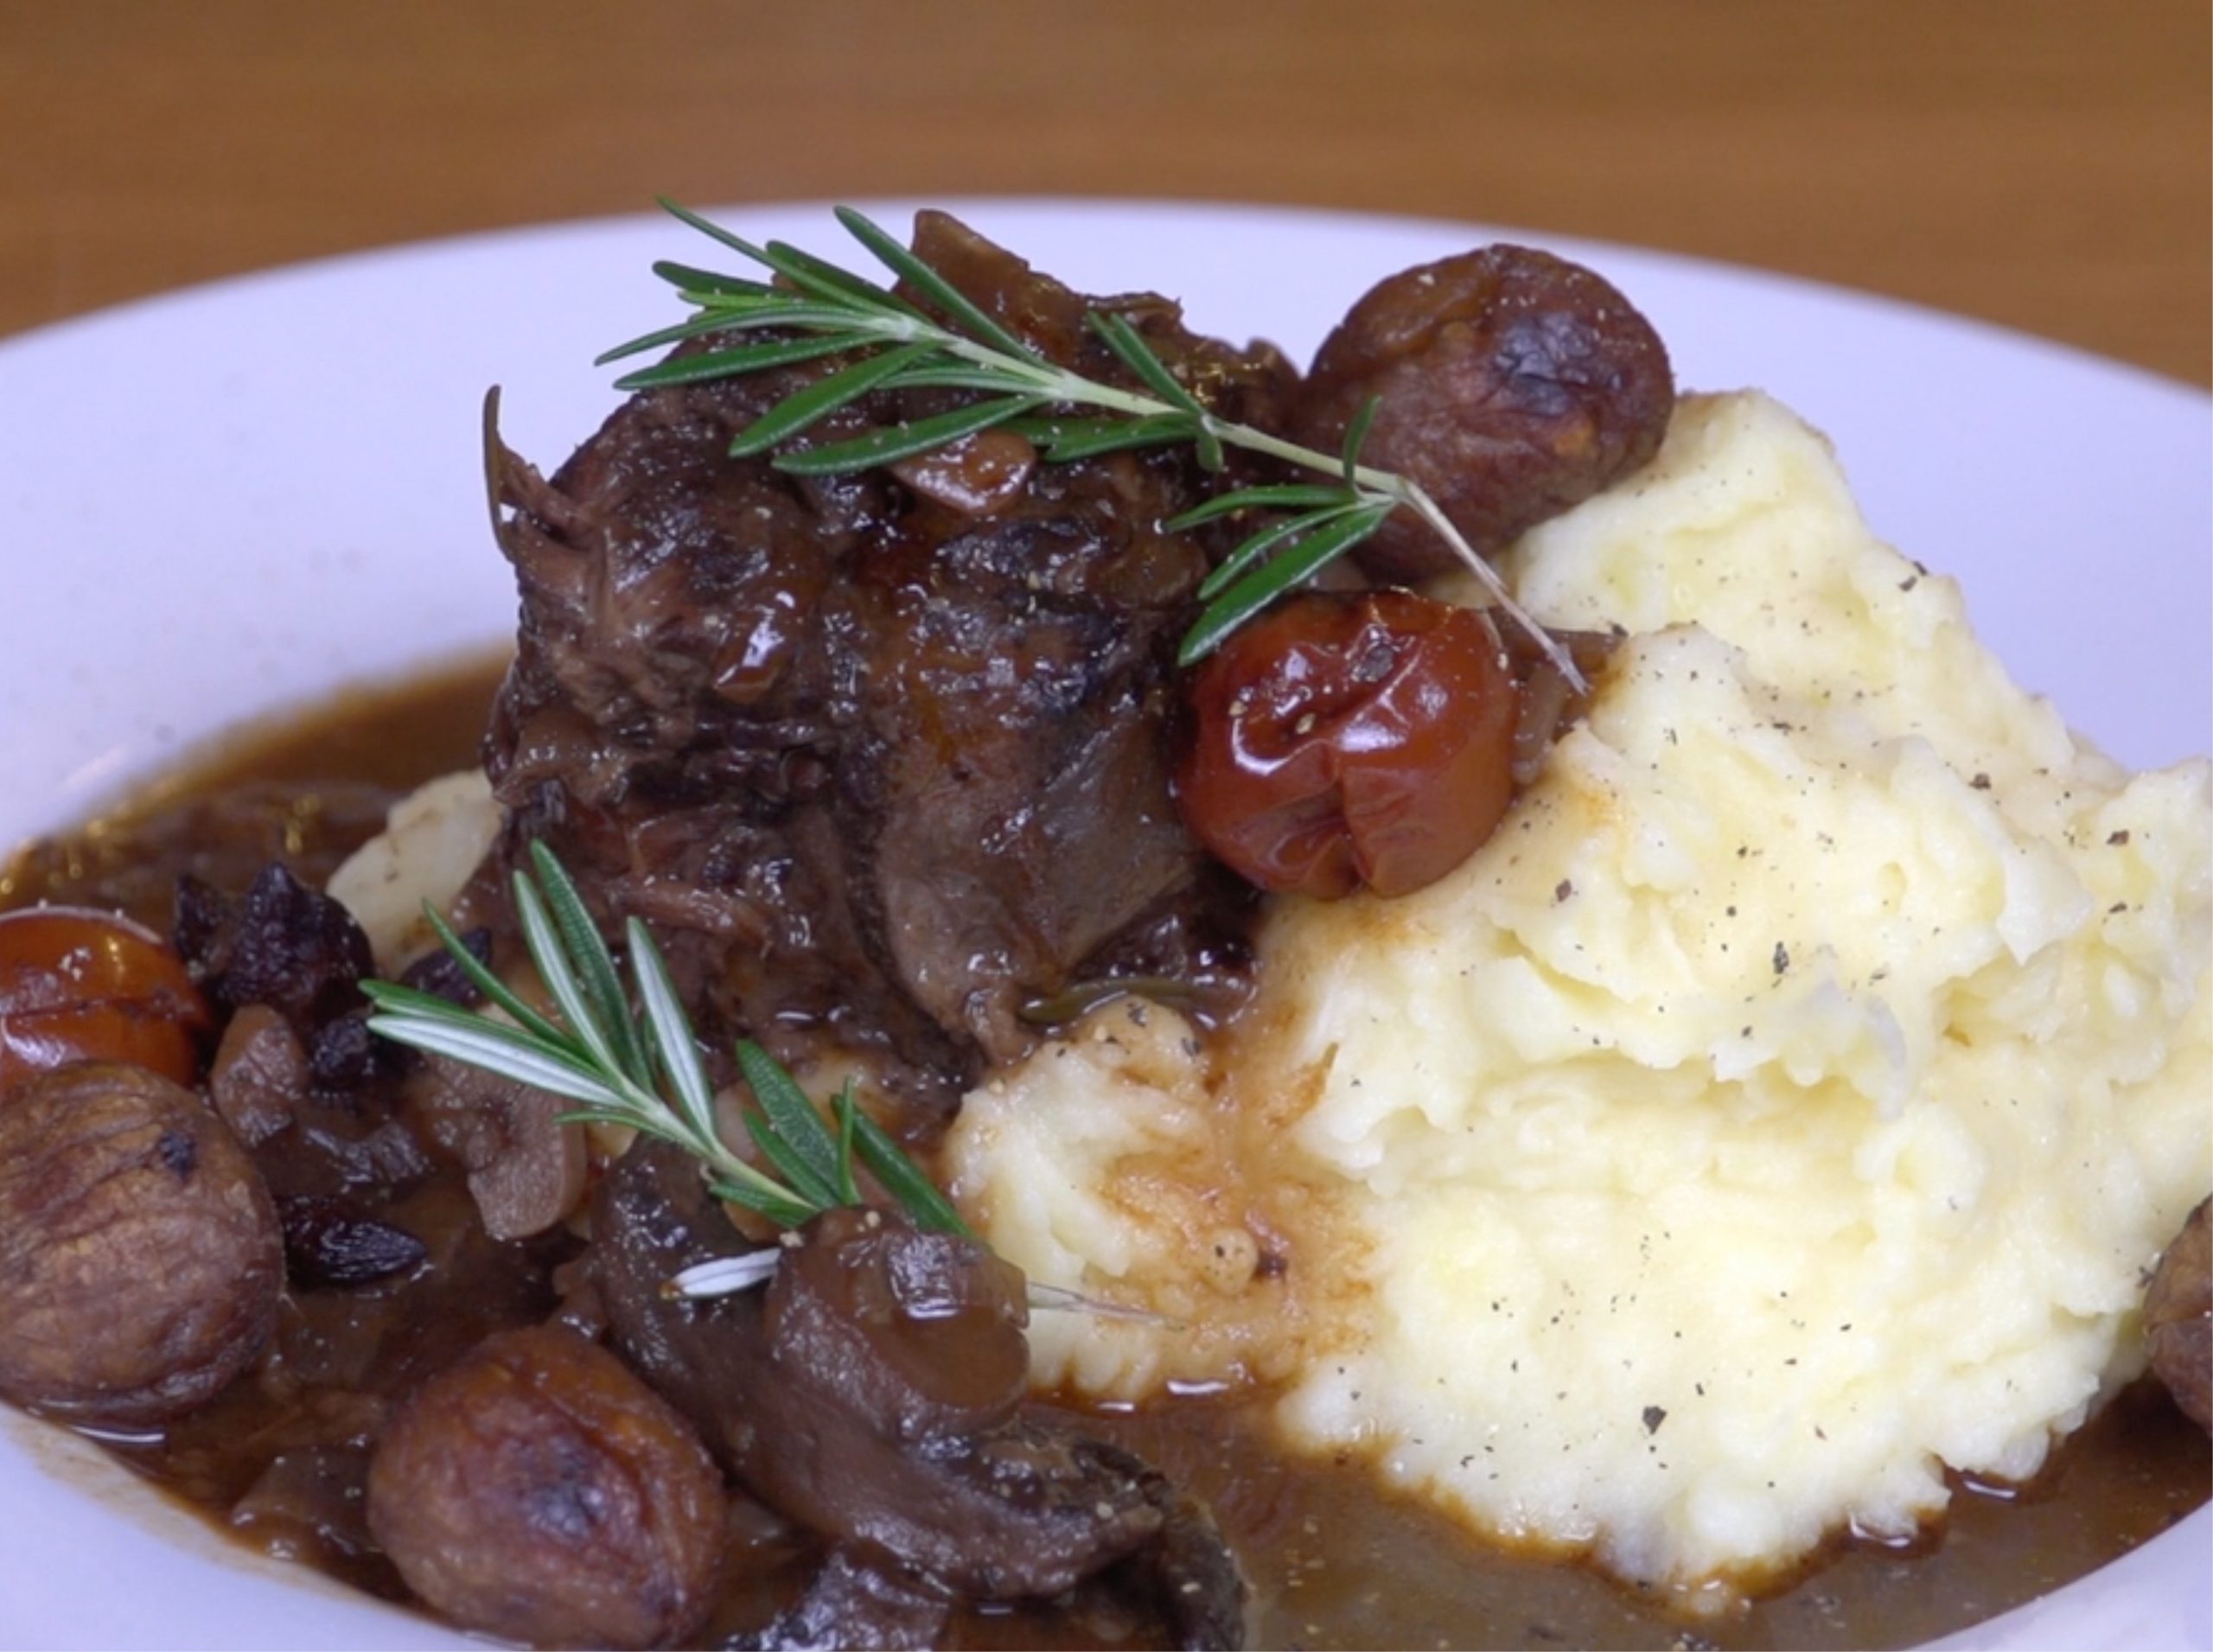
[215, 503]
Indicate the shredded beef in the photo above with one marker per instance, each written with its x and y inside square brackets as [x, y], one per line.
[880, 760]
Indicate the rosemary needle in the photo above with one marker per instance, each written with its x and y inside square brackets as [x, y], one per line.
[640, 1070]
[925, 333]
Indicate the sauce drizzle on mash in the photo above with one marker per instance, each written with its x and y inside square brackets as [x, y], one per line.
[1783, 1107]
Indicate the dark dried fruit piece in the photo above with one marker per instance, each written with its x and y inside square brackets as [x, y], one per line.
[440, 973]
[281, 943]
[329, 1241]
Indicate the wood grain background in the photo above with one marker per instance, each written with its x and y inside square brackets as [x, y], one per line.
[2047, 164]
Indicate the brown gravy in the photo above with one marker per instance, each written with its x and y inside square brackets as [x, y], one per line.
[1334, 1560]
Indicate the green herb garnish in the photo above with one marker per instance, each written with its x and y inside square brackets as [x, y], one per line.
[894, 343]
[640, 1069]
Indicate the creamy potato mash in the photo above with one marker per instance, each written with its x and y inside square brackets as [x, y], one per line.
[1784, 1104]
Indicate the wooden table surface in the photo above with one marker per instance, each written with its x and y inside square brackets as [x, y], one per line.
[2047, 164]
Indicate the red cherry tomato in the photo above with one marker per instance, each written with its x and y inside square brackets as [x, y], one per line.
[1350, 738]
[77, 985]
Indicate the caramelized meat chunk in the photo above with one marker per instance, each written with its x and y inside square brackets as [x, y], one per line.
[1187, 1578]
[899, 1362]
[920, 1333]
[140, 1260]
[2178, 1316]
[821, 1396]
[874, 1394]
[537, 1491]
[1512, 385]
[878, 758]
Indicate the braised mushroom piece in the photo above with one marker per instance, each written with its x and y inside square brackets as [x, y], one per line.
[874, 1394]
[140, 1259]
[538, 1491]
[526, 1168]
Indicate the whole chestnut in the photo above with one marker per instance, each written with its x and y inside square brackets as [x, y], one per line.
[1508, 383]
[141, 1262]
[536, 1490]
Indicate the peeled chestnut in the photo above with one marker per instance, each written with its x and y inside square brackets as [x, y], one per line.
[140, 1259]
[537, 1491]
[1509, 383]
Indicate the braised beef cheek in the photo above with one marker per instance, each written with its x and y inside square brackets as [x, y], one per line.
[879, 758]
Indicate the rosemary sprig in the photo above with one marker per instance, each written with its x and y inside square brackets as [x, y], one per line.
[641, 1069]
[898, 343]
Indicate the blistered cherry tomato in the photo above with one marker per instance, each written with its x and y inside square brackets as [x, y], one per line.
[1351, 738]
[77, 985]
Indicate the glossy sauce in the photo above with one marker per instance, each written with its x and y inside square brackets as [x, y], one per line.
[1334, 1559]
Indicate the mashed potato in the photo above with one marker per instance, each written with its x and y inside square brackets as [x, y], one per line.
[1784, 1106]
